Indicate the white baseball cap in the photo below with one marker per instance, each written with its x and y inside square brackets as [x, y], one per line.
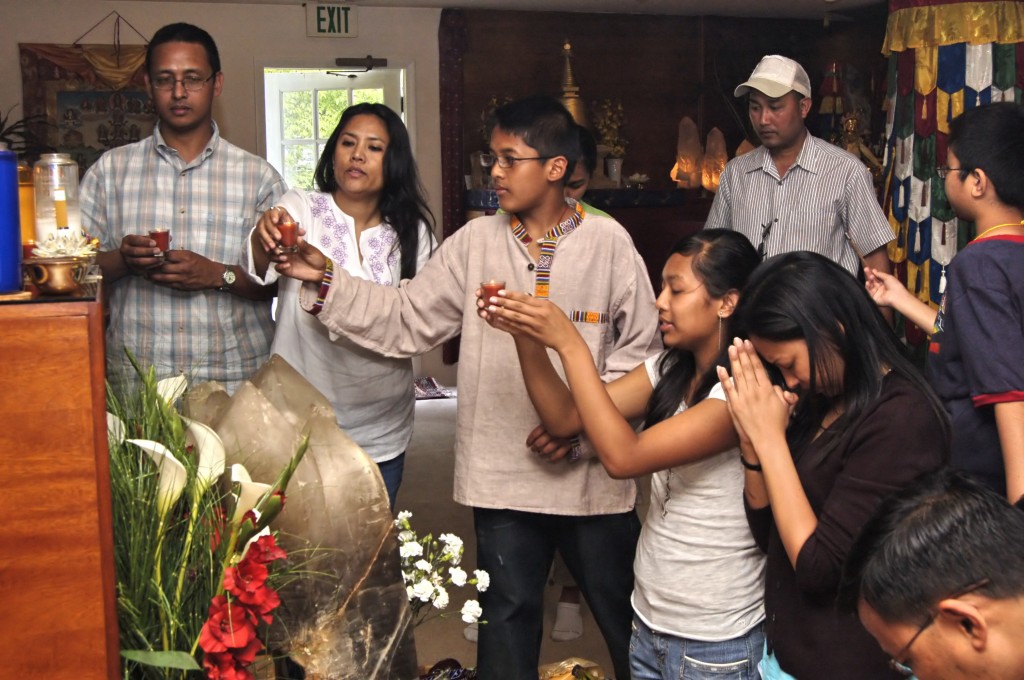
[776, 76]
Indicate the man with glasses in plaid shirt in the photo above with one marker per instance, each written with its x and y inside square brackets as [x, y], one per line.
[190, 309]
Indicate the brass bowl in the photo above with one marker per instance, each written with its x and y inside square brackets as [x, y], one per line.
[58, 275]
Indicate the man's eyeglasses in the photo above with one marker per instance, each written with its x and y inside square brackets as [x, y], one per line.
[190, 83]
[488, 160]
[944, 170]
[902, 667]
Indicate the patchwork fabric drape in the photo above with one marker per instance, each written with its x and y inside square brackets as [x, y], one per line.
[945, 56]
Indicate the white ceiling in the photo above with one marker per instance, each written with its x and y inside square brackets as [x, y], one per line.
[807, 9]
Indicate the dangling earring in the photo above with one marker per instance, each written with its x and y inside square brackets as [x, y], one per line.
[719, 331]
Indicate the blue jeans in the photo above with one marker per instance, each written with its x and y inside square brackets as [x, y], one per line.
[391, 471]
[516, 549]
[657, 656]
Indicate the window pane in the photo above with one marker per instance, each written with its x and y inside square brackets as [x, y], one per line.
[372, 96]
[297, 115]
[299, 165]
[330, 104]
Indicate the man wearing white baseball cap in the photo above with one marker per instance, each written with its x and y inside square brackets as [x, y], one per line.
[798, 192]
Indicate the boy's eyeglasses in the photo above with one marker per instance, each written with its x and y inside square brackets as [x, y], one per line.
[903, 668]
[488, 160]
[190, 83]
[944, 170]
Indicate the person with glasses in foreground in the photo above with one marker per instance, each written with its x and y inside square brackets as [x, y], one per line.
[852, 422]
[190, 309]
[529, 498]
[798, 192]
[937, 577]
[977, 334]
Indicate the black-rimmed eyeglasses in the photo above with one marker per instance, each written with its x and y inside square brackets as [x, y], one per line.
[190, 83]
[902, 667]
[944, 170]
[488, 160]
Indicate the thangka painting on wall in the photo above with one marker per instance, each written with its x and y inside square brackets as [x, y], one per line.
[92, 96]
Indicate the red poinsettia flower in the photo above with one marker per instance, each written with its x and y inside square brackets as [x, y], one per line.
[265, 550]
[230, 626]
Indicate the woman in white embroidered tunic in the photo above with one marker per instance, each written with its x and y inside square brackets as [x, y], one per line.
[697, 598]
[369, 216]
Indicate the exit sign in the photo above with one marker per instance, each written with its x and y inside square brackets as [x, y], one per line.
[324, 20]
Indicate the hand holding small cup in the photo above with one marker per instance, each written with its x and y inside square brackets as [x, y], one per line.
[162, 237]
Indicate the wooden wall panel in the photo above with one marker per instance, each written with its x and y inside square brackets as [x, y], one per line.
[660, 67]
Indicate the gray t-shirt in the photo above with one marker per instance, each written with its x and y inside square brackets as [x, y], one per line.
[699, 574]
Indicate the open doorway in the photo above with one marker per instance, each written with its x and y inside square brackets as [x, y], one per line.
[303, 105]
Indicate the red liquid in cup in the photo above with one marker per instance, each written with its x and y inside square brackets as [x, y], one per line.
[289, 235]
[162, 238]
[491, 289]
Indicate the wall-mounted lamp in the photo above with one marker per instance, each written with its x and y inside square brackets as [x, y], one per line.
[349, 65]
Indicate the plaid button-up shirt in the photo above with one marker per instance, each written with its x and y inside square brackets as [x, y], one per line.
[209, 205]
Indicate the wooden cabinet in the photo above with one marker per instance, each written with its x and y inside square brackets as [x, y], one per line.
[59, 609]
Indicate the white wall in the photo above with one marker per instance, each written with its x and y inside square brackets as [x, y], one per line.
[249, 37]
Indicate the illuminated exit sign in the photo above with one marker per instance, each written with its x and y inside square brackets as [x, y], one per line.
[324, 20]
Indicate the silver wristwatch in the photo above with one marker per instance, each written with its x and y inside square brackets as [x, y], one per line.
[228, 277]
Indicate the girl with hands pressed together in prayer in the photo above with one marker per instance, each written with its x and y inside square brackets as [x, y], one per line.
[698, 595]
[369, 216]
[854, 422]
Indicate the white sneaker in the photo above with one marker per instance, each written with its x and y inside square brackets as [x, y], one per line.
[568, 622]
[471, 632]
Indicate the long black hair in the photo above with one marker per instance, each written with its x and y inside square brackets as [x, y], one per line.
[402, 203]
[805, 296]
[722, 260]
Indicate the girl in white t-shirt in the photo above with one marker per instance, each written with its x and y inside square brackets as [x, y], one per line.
[699, 577]
[369, 216]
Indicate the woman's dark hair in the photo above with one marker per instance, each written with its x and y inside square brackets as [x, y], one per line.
[722, 260]
[402, 203]
[805, 296]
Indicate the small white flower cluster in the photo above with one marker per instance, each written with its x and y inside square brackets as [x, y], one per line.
[429, 566]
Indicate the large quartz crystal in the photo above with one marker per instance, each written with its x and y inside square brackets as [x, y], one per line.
[346, 615]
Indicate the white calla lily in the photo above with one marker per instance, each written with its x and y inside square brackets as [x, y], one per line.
[172, 473]
[115, 430]
[172, 388]
[211, 455]
[249, 492]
